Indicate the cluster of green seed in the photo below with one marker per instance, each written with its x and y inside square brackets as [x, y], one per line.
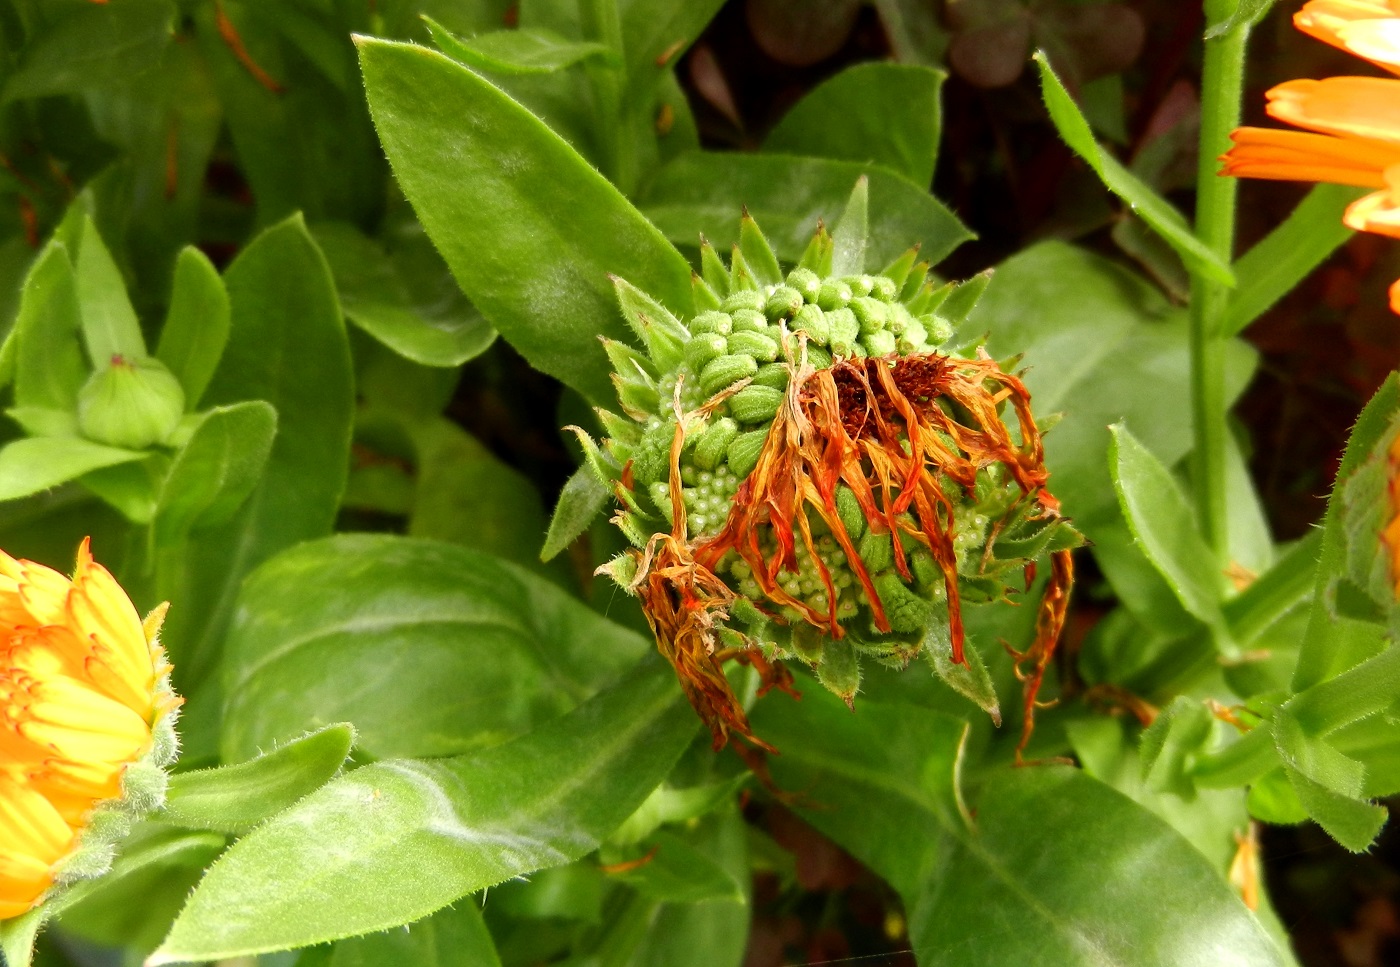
[751, 340]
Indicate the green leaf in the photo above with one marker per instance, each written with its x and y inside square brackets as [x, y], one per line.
[454, 937]
[35, 464]
[1101, 345]
[380, 298]
[49, 364]
[851, 236]
[1321, 656]
[1050, 866]
[94, 46]
[517, 51]
[1270, 270]
[531, 233]
[216, 470]
[235, 798]
[132, 904]
[286, 346]
[196, 324]
[110, 326]
[1165, 220]
[467, 496]
[1165, 526]
[701, 193]
[881, 112]
[583, 498]
[1088, 877]
[1274, 593]
[1351, 822]
[428, 648]
[678, 872]
[396, 841]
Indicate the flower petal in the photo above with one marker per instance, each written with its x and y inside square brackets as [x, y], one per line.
[1365, 107]
[1302, 156]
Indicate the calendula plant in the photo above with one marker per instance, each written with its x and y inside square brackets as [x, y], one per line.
[309, 310]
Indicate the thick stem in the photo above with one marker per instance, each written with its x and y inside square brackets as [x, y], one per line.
[1221, 88]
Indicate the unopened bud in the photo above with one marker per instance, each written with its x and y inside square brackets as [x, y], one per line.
[132, 403]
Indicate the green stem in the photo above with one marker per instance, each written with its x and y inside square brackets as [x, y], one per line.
[602, 23]
[1221, 89]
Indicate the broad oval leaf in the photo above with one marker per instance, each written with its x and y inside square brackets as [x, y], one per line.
[395, 841]
[216, 470]
[704, 192]
[286, 346]
[839, 119]
[378, 297]
[530, 230]
[429, 649]
[38, 463]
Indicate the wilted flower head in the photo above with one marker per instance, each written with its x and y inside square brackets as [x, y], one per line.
[86, 720]
[1351, 128]
[810, 475]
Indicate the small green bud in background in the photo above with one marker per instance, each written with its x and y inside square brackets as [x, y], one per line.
[132, 403]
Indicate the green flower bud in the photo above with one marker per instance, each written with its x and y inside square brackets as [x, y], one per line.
[132, 403]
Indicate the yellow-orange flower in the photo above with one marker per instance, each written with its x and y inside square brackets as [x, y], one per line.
[1367, 28]
[1351, 125]
[83, 690]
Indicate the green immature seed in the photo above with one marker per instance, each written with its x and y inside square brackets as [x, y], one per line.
[812, 321]
[884, 289]
[844, 331]
[713, 441]
[877, 551]
[818, 357]
[880, 343]
[782, 303]
[848, 508]
[872, 314]
[743, 452]
[775, 375]
[861, 285]
[745, 299]
[701, 350]
[712, 322]
[749, 320]
[756, 344]
[906, 611]
[725, 371]
[755, 404]
[805, 281]
[834, 294]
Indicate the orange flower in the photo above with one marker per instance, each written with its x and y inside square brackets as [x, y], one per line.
[1370, 29]
[84, 695]
[1352, 124]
